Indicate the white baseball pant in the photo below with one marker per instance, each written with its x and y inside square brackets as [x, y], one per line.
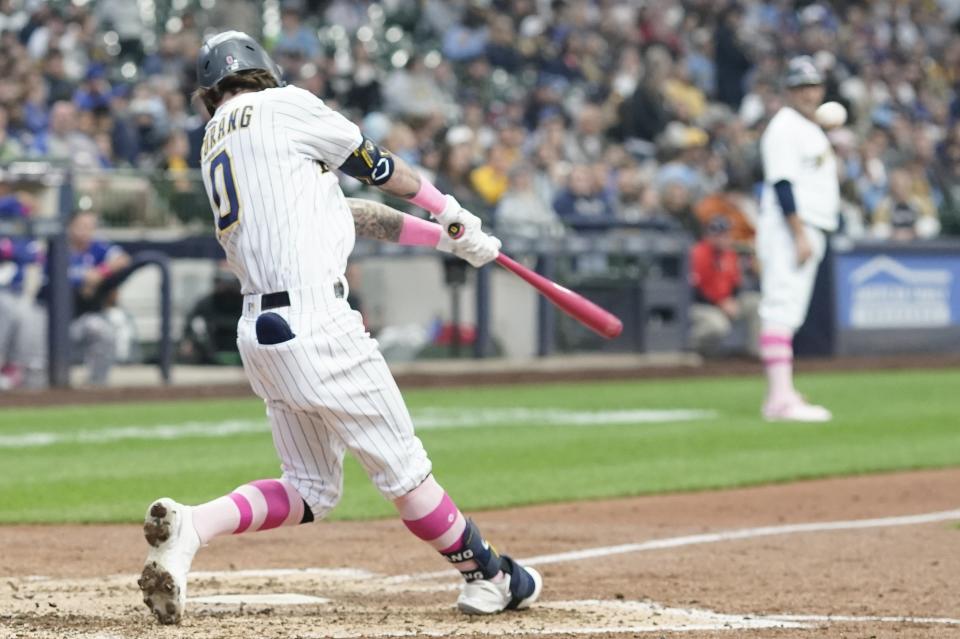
[328, 390]
[786, 287]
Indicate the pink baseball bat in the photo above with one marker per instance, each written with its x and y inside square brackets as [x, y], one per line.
[597, 319]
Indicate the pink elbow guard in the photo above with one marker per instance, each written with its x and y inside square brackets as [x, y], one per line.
[429, 198]
[417, 232]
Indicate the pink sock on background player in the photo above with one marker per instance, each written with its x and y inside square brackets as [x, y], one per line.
[259, 505]
[776, 351]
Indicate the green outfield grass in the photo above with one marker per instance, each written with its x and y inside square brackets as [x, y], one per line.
[79, 464]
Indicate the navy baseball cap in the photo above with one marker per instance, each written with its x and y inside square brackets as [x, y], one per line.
[802, 72]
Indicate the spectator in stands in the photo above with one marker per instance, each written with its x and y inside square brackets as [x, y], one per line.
[365, 93]
[686, 100]
[149, 123]
[637, 200]
[683, 155]
[677, 202]
[59, 86]
[905, 213]
[175, 153]
[95, 91]
[490, 179]
[467, 40]
[167, 60]
[295, 37]
[414, 92]
[584, 204]
[453, 175]
[501, 48]
[523, 211]
[65, 141]
[22, 323]
[701, 61]
[96, 267]
[852, 219]
[733, 62]
[33, 114]
[737, 207]
[10, 148]
[210, 329]
[946, 178]
[586, 141]
[645, 114]
[718, 300]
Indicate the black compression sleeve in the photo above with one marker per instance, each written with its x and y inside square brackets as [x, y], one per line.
[784, 192]
[369, 163]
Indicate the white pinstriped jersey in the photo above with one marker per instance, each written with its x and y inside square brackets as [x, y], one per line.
[285, 226]
[280, 214]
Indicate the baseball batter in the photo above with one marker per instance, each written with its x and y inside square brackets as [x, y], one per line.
[799, 206]
[287, 229]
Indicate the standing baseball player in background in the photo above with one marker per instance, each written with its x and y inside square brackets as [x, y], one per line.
[287, 231]
[799, 206]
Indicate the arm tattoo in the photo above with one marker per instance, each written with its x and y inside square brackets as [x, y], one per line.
[405, 181]
[375, 221]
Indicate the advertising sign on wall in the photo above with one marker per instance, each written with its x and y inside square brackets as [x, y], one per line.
[902, 292]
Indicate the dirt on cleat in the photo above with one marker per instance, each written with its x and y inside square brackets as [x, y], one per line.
[154, 581]
[157, 531]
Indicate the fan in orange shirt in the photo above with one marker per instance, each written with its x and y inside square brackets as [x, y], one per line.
[718, 300]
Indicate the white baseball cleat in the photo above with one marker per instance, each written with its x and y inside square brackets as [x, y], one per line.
[796, 410]
[168, 528]
[514, 591]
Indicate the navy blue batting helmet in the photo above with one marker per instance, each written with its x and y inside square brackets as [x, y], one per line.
[230, 52]
[802, 72]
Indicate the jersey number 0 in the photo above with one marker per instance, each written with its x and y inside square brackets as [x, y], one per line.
[228, 207]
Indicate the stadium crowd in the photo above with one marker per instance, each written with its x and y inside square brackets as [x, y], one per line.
[540, 115]
[544, 117]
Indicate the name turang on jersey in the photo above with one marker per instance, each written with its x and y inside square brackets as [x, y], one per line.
[797, 150]
[223, 125]
[280, 214]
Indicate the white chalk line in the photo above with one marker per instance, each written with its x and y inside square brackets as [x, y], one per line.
[428, 419]
[356, 574]
[710, 538]
[945, 621]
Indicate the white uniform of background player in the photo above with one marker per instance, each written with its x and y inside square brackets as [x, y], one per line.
[287, 230]
[799, 207]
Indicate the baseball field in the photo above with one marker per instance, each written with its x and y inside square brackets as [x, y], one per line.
[662, 507]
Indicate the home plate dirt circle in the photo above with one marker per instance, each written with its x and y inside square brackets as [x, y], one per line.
[550, 618]
[827, 559]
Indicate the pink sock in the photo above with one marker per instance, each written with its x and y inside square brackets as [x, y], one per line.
[776, 351]
[259, 505]
[429, 513]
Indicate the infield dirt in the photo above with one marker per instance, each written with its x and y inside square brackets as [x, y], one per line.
[79, 581]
